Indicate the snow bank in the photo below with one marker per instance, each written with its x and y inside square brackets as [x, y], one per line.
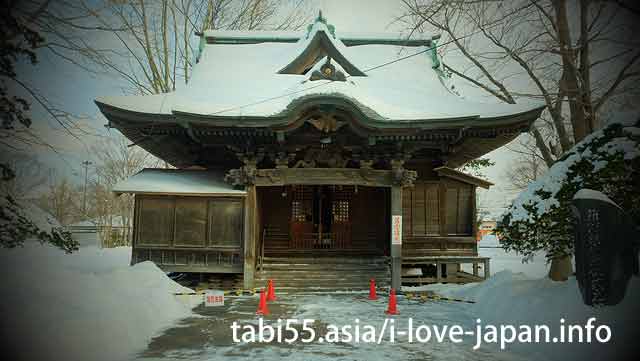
[514, 299]
[90, 305]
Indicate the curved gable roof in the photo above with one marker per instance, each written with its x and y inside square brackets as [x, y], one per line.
[321, 44]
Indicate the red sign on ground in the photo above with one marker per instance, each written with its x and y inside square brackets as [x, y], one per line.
[214, 298]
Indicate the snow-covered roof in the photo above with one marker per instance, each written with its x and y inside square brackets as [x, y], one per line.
[177, 181]
[291, 36]
[243, 79]
[462, 177]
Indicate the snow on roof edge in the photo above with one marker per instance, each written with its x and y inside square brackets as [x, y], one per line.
[288, 35]
[177, 181]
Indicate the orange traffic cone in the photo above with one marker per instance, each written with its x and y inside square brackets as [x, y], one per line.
[372, 289]
[262, 307]
[393, 309]
[271, 293]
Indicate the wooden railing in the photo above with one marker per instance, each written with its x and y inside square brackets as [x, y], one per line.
[439, 246]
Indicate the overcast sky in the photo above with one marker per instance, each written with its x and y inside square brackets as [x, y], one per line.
[75, 90]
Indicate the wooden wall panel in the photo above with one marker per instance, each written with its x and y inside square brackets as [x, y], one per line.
[465, 222]
[421, 210]
[432, 210]
[191, 222]
[155, 227]
[452, 210]
[226, 222]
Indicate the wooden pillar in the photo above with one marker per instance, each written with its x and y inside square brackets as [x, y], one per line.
[250, 236]
[475, 268]
[442, 193]
[396, 237]
[487, 272]
[474, 214]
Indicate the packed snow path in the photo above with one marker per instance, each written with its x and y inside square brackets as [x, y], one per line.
[208, 335]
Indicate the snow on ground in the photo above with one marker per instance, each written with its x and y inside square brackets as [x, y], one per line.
[512, 298]
[517, 294]
[90, 305]
[489, 246]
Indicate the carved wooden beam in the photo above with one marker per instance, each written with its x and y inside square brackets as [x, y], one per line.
[282, 160]
[320, 176]
[246, 174]
[402, 177]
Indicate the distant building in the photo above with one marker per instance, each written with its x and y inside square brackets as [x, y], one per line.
[485, 227]
[322, 158]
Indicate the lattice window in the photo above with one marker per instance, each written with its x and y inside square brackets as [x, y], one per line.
[302, 203]
[297, 211]
[340, 211]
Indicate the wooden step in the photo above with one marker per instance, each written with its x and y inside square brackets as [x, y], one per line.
[280, 285]
[329, 266]
[326, 260]
[321, 274]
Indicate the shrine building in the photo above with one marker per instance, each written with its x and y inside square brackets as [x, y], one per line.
[313, 158]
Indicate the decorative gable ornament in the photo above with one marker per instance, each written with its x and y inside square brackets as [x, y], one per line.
[321, 19]
[321, 45]
[328, 71]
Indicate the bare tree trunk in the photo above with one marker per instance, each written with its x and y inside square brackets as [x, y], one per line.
[546, 152]
[561, 268]
[570, 71]
[592, 123]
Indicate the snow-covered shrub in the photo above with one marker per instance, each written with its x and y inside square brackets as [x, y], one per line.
[540, 218]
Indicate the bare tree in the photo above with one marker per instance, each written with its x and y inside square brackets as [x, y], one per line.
[525, 169]
[62, 200]
[152, 45]
[576, 65]
[527, 166]
[116, 161]
[20, 40]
